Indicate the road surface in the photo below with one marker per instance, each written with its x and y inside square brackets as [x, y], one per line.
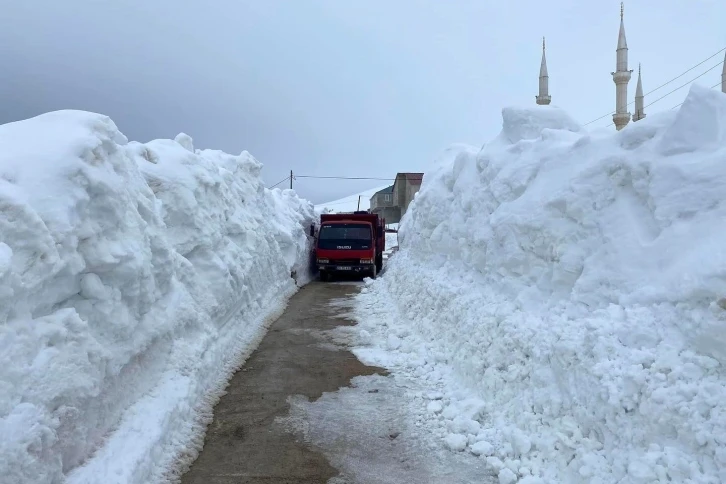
[304, 410]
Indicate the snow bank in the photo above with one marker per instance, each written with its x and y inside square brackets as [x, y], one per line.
[350, 203]
[565, 290]
[133, 280]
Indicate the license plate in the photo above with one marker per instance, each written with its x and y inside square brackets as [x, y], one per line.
[344, 268]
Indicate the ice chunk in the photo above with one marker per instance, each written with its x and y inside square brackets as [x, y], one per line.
[482, 448]
[394, 342]
[529, 123]
[700, 124]
[456, 442]
[506, 476]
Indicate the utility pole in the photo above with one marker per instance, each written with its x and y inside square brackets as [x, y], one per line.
[358, 202]
[290, 179]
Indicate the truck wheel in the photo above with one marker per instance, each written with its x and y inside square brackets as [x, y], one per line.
[374, 271]
[324, 277]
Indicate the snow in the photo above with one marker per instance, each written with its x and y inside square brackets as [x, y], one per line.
[366, 434]
[566, 291]
[456, 442]
[391, 242]
[134, 279]
[482, 448]
[507, 476]
[350, 203]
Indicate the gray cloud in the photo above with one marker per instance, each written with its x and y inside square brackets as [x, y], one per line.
[334, 87]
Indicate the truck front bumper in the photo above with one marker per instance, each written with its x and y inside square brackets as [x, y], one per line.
[332, 267]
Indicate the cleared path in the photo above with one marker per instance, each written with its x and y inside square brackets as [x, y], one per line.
[304, 410]
[244, 443]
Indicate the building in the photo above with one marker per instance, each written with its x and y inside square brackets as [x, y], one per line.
[392, 202]
[543, 98]
[382, 204]
[639, 108]
[621, 78]
[404, 188]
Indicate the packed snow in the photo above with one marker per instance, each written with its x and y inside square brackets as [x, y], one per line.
[391, 244]
[134, 278]
[350, 203]
[564, 294]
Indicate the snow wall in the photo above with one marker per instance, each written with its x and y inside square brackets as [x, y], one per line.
[566, 288]
[134, 279]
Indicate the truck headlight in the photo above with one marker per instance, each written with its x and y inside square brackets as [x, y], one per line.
[323, 261]
[366, 261]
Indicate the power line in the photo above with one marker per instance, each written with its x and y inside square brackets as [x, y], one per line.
[295, 177]
[663, 85]
[685, 72]
[281, 181]
[715, 85]
[684, 85]
[344, 177]
[339, 202]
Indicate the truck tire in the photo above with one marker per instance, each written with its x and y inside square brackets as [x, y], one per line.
[379, 262]
[324, 276]
[374, 271]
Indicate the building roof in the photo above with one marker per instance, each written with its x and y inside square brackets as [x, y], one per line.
[385, 190]
[412, 178]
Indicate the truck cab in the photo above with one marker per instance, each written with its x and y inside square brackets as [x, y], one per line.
[350, 244]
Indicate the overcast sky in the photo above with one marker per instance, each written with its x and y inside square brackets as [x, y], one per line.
[339, 87]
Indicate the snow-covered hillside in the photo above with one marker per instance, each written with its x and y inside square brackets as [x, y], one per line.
[350, 203]
[133, 280]
[564, 292]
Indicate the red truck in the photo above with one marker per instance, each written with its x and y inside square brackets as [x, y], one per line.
[350, 243]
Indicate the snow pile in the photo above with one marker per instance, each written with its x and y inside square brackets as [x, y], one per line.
[566, 293]
[391, 244]
[349, 203]
[133, 280]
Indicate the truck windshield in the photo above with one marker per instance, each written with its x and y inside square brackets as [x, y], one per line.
[348, 236]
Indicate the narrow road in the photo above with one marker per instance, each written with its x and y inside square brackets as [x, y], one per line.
[305, 410]
[244, 443]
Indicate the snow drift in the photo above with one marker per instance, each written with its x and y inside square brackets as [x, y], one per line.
[133, 280]
[566, 290]
[350, 203]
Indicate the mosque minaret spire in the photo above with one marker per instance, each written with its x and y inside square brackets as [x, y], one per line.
[621, 77]
[639, 99]
[544, 97]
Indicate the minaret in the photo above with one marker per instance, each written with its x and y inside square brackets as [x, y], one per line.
[639, 109]
[544, 97]
[723, 75]
[621, 77]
